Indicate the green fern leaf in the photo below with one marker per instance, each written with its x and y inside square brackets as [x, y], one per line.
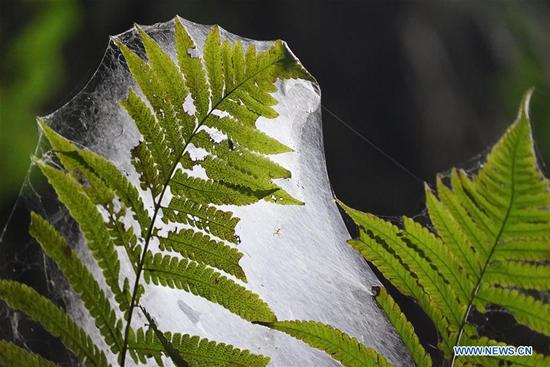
[92, 225]
[228, 67]
[176, 106]
[196, 351]
[403, 328]
[219, 170]
[144, 163]
[518, 274]
[154, 83]
[340, 346]
[205, 282]
[214, 65]
[54, 320]
[95, 164]
[241, 159]
[200, 248]
[204, 217]
[13, 356]
[246, 135]
[247, 87]
[195, 77]
[438, 256]
[171, 81]
[451, 230]
[210, 192]
[492, 242]
[428, 278]
[83, 283]
[153, 135]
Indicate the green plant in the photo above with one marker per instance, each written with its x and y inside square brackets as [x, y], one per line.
[100, 198]
[489, 248]
[26, 86]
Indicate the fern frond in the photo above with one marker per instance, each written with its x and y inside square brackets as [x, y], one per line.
[196, 351]
[92, 225]
[339, 345]
[524, 250]
[200, 248]
[80, 279]
[170, 79]
[219, 170]
[54, 320]
[12, 355]
[151, 77]
[55, 246]
[95, 164]
[177, 107]
[492, 241]
[205, 282]
[67, 154]
[404, 328]
[456, 213]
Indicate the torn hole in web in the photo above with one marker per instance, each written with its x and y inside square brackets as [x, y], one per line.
[306, 271]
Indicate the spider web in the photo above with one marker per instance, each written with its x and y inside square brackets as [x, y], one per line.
[295, 257]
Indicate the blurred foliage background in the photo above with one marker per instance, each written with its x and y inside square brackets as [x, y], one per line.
[433, 84]
[33, 35]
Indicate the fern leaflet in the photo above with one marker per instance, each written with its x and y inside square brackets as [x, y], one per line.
[13, 356]
[404, 328]
[195, 351]
[339, 345]
[54, 320]
[200, 280]
[83, 283]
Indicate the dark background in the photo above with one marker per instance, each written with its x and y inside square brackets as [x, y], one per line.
[432, 83]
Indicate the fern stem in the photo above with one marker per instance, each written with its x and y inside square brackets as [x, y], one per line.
[493, 248]
[158, 206]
